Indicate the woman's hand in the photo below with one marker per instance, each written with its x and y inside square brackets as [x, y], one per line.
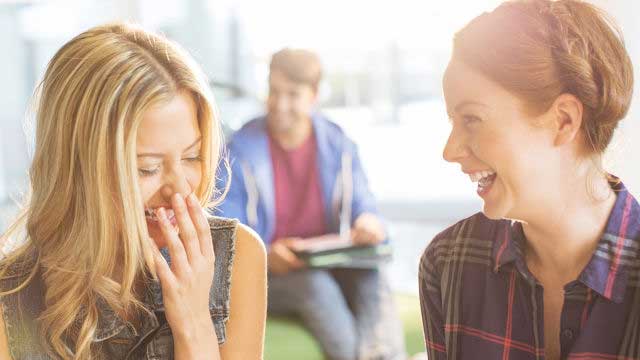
[186, 283]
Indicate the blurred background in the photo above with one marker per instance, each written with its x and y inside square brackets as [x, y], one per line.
[383, 65]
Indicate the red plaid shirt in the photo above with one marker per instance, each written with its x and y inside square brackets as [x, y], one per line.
[479, 300]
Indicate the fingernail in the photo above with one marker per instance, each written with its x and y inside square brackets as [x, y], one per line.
[161, 214]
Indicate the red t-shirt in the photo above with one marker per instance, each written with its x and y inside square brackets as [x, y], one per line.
[298, 193]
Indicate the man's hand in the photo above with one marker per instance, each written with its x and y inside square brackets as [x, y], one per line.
[281, 259]
[367, 230]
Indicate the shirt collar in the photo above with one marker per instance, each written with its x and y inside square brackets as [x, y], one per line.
[619, 246]
[607, 271]
[509, 244]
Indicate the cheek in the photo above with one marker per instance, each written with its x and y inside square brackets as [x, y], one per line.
[148, 187]
[519, 168]
[271, 103]
[194, 176]
[487, 147]
[501, 151]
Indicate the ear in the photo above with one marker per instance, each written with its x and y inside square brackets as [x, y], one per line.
[567, 113]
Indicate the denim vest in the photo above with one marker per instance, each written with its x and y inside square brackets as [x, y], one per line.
[116, 338]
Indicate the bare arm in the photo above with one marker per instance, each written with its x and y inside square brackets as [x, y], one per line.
[245, 328]
[4, 344]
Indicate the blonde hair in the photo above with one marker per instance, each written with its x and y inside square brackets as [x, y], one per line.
[85, 218]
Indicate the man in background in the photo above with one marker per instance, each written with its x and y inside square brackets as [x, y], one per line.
[296, 176]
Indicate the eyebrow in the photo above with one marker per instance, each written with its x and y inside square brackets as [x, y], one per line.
[159, 155]
[464, 104]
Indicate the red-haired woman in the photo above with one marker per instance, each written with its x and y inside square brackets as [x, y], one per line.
[550, 268]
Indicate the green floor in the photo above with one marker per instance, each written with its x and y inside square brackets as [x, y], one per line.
[287, 339]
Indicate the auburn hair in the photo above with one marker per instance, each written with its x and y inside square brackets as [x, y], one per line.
[539, 49]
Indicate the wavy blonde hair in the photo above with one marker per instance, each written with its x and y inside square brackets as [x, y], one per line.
[85, 218]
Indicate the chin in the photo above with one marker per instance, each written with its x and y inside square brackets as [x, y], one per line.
[280, 124]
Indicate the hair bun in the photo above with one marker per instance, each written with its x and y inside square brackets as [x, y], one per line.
[539, 49]
[593, 64]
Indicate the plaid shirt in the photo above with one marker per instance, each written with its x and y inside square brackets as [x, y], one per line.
[479, 300]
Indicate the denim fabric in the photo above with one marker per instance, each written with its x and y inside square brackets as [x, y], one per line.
[116, 338]
[349, 311]
[251, 196]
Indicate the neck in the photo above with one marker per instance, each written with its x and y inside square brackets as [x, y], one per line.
[294, 136]
[564, 235]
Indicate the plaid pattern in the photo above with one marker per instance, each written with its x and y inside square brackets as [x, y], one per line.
[479, 300]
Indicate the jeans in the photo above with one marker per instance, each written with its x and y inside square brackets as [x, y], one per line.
[350, 312]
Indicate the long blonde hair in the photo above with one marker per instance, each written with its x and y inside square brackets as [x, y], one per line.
[85, 218]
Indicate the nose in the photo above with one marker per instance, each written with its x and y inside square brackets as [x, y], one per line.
[281, 103]
[176, 182]
[456, 148]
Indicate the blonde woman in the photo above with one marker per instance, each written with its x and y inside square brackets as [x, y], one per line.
[127, 139]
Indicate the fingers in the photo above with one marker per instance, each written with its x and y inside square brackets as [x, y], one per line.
[188, 233]
[179, 260]
[275, 264]
[165, 275]
[281, 260]
[195, 234]
[356, 237]
[276, 267]
[290, 257]
[368, 229]
[291, 242]
[363, 237]
[203, 231]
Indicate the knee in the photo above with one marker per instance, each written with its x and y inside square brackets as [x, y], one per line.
[305, 291]
[308, 282]
[342, 347]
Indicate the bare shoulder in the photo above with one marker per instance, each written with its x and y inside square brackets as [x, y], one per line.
[246, 325]
[249, 245]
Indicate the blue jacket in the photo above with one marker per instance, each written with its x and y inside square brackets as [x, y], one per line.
[251, 196]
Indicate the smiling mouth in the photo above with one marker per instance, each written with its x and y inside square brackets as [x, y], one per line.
[484, 179]
[151, 215]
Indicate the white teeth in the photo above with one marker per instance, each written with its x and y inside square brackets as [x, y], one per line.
[151, 214]
[477, 176]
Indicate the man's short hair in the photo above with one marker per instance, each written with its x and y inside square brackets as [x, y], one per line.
[299, 65]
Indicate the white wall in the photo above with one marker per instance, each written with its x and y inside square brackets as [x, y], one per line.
[3, 191]
[13, 100]
[624, 154]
